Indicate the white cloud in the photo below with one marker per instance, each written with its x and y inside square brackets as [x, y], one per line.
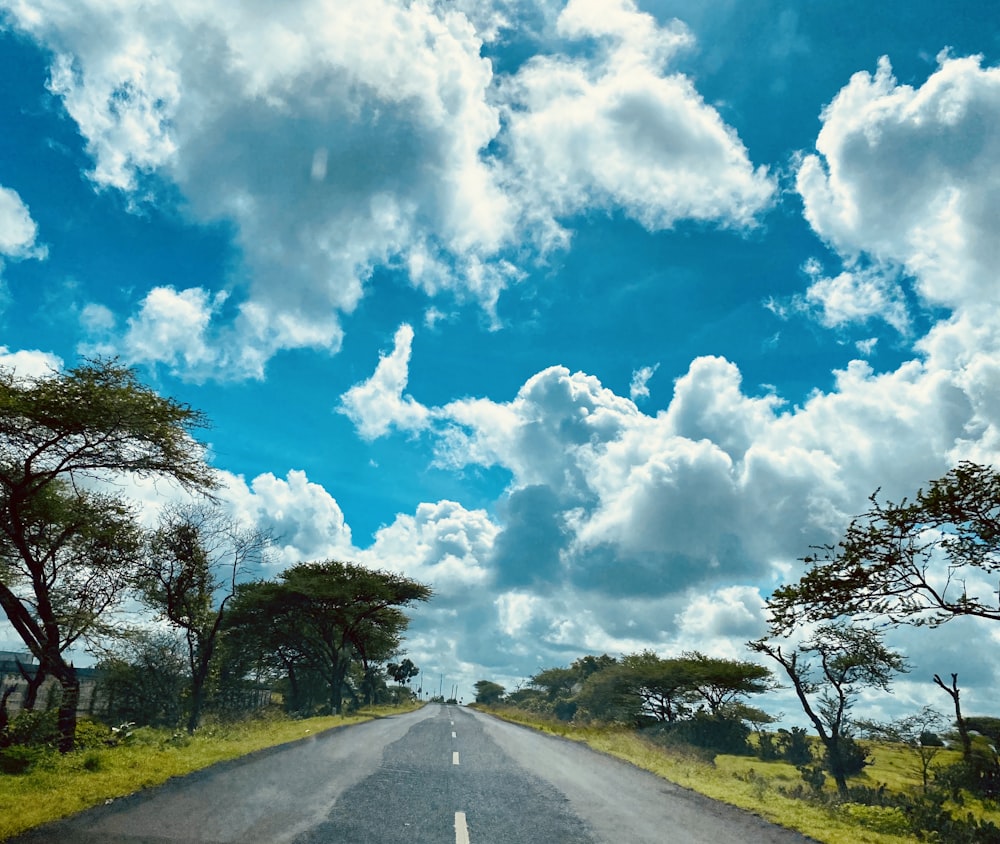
[378, 404]
[908, 177]
[442, 544]
[343, 137]
[30, 363]
[856, 297]
[18, 232]
[619, 131]
[639, 387]
[304, 519]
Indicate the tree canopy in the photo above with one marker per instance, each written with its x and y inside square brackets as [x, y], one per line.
[924, 561]
[66, 549]
[189, 574]
[326, 616]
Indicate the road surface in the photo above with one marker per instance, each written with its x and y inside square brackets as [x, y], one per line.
[440, 775]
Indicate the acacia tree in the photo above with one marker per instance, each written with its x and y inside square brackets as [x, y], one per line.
[330, 615]
[921, 562]
[721, 683]
[489, 692]
[189, 574]
[66, 549]
[849, 658]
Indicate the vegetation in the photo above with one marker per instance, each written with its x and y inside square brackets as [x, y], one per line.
[849, 658]
[112, 763]
[188, 575]
[884, 804]
[924, 561]
[320, 619]
[72, 550]
[66, 550]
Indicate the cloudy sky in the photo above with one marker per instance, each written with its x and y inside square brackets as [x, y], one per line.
[593, 315]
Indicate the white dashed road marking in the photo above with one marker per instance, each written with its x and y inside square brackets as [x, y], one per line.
[461, 830]
[454, 758]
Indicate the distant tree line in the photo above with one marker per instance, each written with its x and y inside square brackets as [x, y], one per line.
[73, 551]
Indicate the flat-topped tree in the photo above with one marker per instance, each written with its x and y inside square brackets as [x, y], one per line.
[324, 617]
[67, 550]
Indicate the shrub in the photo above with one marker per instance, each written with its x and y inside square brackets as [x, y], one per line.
[20, 758]
[92, 734]
[34, 728]
[852, 757]
[795, 746]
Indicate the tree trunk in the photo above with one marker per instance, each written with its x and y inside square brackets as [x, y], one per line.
[963, 731]
[832, 744]
[70, 685]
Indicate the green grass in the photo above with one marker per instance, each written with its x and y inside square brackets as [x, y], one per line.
[759, 786]
[59, 786]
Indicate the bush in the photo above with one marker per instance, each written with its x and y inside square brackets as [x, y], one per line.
[795, 746]
[852, 757]
[20, 758]
[92, 734]
[34, 728]
[714, 733]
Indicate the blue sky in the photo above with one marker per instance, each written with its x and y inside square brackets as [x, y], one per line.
[593, 315]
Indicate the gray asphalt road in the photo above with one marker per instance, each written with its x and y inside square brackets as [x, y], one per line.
[442, 775]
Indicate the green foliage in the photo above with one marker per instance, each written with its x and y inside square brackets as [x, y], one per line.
[893, 558]
[144, 681]
[92, 734]
[850, 658]
[33, 728]
[715, 733]
[790, 746]
[20, 758]
[846, 756]
[319, 619]
[488, 692]
[66, 551]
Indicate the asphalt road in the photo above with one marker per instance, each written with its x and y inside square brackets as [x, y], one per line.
[441, 775]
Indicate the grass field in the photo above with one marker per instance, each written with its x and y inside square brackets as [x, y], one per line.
[63, 785]
[760, 787]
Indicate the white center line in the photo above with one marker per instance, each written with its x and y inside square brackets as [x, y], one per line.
[454, 734]
[454, 758]
[461, 830]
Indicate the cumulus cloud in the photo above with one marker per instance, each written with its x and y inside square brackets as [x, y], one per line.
[907, 177]
[18, 232]
[339, 138]
[31, 363]
[617, 130]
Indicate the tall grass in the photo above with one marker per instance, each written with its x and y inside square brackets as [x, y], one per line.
[58, 786]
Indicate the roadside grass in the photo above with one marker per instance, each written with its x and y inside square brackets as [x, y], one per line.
[59, 786]
[767, 788]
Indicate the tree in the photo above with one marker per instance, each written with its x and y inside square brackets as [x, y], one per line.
[724, 682]
[921, 562]
[143, 679]
[850, 658]
[911, 731]
[189, 574]
[326, 616]
[488, 692]
[960, 724]
[402, 672]
[65, 548]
